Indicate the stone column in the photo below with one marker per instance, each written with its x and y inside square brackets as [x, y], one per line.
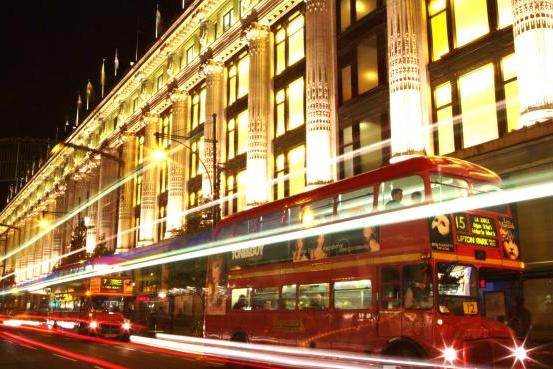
[69, 207]
[58, 236]
[92, 212]
[106, 204]
[533, 36]
[213, 72]
[319, 84]
[404, 73]
[148, 205]
[46, 263]
[175, 194]
[124, 236]
[259, 110]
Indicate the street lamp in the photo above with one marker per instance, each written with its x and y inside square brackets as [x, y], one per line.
[160, 155]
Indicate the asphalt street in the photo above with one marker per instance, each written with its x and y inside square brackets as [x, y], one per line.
[29, 349]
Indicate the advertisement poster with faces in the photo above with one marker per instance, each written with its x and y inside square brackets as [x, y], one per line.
[509, 238]
[441, 235]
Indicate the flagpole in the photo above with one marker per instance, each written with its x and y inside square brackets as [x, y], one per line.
[137, 32]
[115, 63]
[103, 76]
[158, 20]
[79, 102]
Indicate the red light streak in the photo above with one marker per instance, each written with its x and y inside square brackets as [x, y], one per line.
[64, 352]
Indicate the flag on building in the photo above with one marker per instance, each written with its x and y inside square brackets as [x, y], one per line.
[89, 90]
[115, 63]
[103, 76]
[158, 21]
[79, 103]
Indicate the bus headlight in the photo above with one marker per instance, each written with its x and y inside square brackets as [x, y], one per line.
[449, 354]
[520, 353]
[93, 324]
[126, 326]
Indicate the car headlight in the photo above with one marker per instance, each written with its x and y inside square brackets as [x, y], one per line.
[520, 353]
[93, 324]
[449, 354]
[126, 326]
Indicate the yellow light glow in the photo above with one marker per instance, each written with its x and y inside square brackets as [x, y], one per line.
[307, 217]
[471, 20]
[158, 155]
[443, 94]
[43, 223]
[436, 6]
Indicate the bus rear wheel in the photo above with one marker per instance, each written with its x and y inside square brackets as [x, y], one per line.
[402, 352]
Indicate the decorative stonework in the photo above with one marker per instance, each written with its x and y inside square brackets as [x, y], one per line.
[318, 75]
[533, 36]
[147, 206]
[406, 118]
[175, 186]
[213, 72]
[259, 110]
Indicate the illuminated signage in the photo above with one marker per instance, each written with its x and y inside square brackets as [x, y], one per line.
[475, 230]
[101, 285]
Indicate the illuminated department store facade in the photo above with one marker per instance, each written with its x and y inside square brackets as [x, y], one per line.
[291, 90]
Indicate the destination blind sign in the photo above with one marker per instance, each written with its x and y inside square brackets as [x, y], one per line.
[476, 230]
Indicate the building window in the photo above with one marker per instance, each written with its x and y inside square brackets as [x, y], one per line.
[352, 11]
[359, 69]
[162, 224]
[367, 64]
[194, 158]
[227, 20]
[444, 118]
[190, 54]
[289, 42]
[134, 104]
[136, 225]
[137, 190]
[455, 23]
[289, 107]
[290, 172]
[194, 198]
[478, 108]
[139, 150]
[346, 88]
[159, 82]
[504, 13]
[235, 184]
[237, 134]
[471, 20]
[197, 109]
[238, 78]
[510, 87]
[477, 100]
[365, 138]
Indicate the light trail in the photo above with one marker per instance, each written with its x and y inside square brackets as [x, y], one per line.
[277, 235]
[281, 355]
[64, 352]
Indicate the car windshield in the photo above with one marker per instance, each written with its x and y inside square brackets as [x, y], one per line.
[457, 289]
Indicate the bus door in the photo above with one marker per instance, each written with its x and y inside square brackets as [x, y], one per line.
[389, 319]
[354, 315]
[314, 306]
[418, 300]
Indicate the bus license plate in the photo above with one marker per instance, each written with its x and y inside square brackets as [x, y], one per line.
[470, 307]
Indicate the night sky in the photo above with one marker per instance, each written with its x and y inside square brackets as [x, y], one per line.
[51, 48]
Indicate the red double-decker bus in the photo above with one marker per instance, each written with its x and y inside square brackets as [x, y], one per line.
[438, 287]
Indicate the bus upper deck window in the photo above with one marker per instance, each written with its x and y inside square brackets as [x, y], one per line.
[446, 188]
[355, 203]
[271, 221]
[317, 212]
[401, 192]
